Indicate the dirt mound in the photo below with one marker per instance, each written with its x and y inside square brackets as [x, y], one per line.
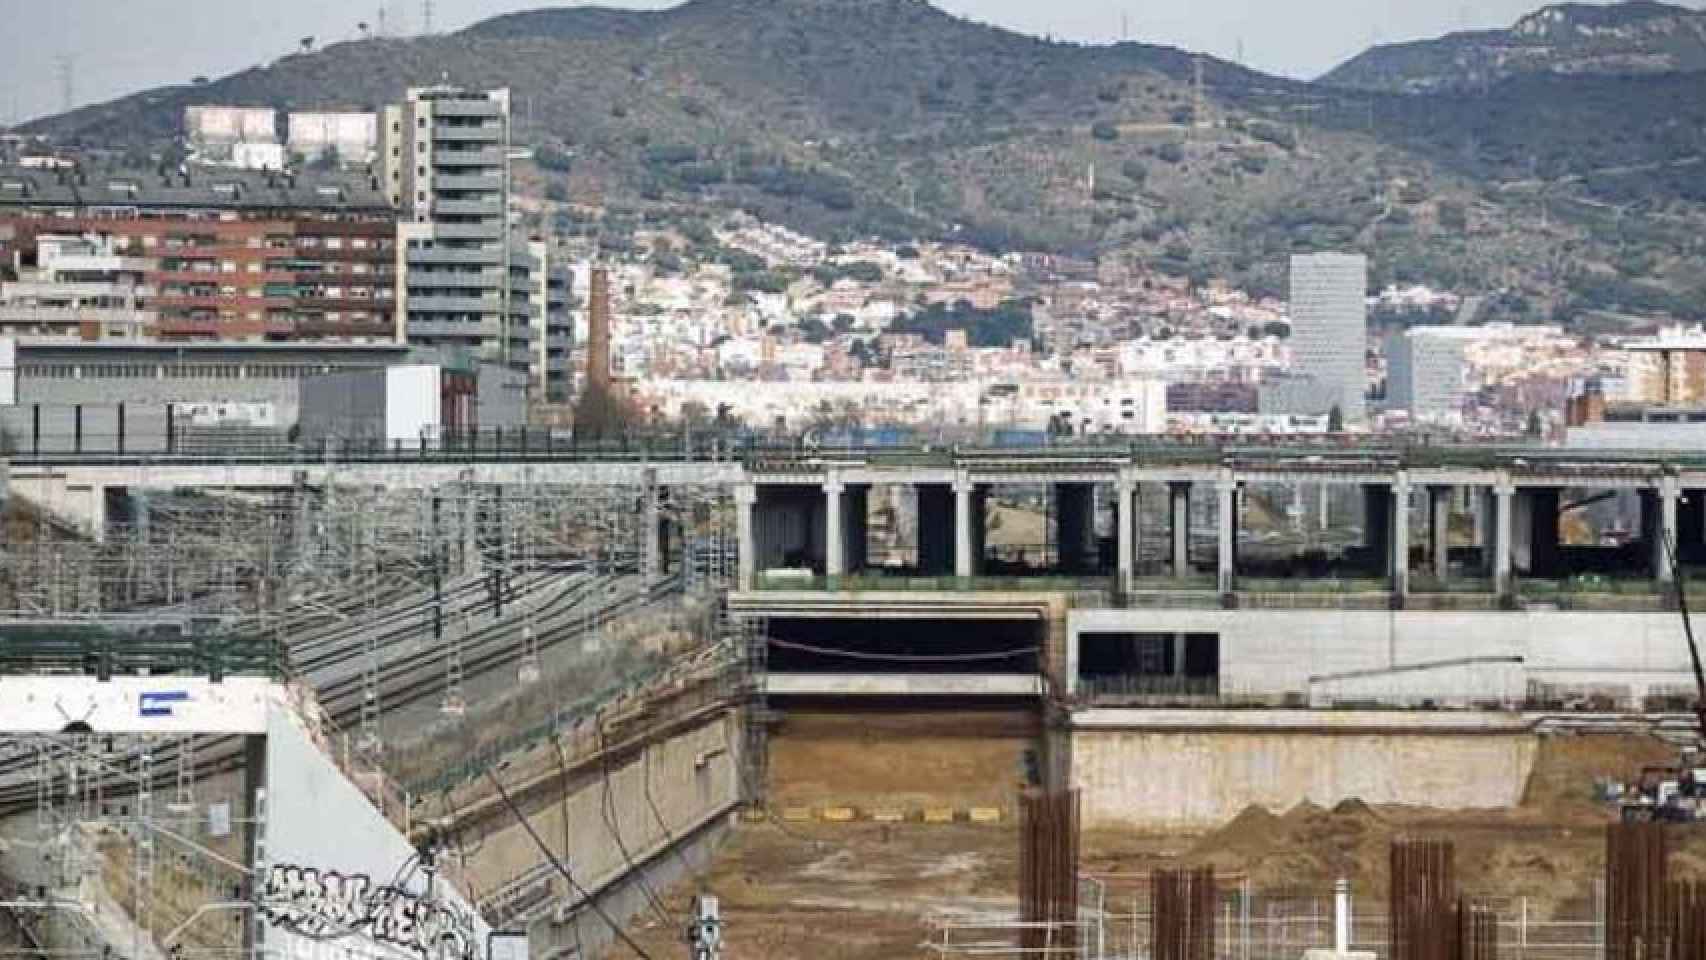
[1308, 846]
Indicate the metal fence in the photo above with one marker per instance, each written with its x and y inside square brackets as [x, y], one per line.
[1116, 922]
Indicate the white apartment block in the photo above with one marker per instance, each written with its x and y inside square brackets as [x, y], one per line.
[1428, 370]
[81, 288]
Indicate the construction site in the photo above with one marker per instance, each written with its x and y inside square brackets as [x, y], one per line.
[863, 704]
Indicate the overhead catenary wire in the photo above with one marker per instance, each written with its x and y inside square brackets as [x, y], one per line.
[557, 863]
[607, 808]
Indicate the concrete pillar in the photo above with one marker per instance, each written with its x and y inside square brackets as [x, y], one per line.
[1227, 527]
[1075, 526]
[1502, 495]
[1664, 538]
[1179, 643]
[653, 544]
[746, 501]
[1377, 509]
[935, 529]
[834, 534]
[1125, 522]
[1478, 518]
[963, 566]
[97, 515]
[1179, 509]
[1439, 531]
[1326, 507]
[1401, 536]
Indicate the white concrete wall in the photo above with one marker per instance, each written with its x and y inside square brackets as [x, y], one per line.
[1195, 775]
[318, 820]
[1268, 654]
[412, 403]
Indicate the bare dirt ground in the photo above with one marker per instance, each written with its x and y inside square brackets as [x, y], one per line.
[873, 892]
[850, 892]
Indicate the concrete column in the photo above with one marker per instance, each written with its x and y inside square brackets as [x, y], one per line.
[1179, 642]
[834, 534]
[963, 566]
[1179, 509]
[1227, 524]
[1478, 516]
[653, 544]
[1502, 495]
[97, 515]
[1124, 533]
[1326, 507]
[746, 500]
[1439, 531]
[1664, 539]
[1400, 561]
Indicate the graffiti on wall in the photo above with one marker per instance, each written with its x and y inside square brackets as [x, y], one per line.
[325, 904]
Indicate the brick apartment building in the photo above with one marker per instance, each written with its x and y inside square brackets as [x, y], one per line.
[225, 255]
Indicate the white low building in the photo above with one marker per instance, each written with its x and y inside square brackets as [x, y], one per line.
[1127, 406]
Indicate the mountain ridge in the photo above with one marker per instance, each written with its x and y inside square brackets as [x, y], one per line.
[1635, 38]
[918, 124]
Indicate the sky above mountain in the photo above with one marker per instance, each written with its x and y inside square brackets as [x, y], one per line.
[87, 51]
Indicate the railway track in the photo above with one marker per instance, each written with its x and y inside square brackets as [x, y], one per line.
[563, 604]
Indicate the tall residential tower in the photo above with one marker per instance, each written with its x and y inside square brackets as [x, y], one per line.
[464, 282]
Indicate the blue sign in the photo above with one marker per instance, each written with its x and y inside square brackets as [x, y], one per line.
[160, 704]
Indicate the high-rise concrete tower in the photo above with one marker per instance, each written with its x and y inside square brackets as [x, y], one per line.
[1329, 332]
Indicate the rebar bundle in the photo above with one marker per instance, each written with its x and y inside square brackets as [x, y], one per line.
[1424, 905]
[1048, 871]
[1636, 858]
[1479, 931]
[1182, 905]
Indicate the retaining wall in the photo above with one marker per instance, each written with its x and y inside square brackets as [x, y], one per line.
[1194, 770]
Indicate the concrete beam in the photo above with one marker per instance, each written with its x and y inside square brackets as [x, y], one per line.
[904, 684]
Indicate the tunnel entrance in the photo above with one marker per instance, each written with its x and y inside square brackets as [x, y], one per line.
[925, 646]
